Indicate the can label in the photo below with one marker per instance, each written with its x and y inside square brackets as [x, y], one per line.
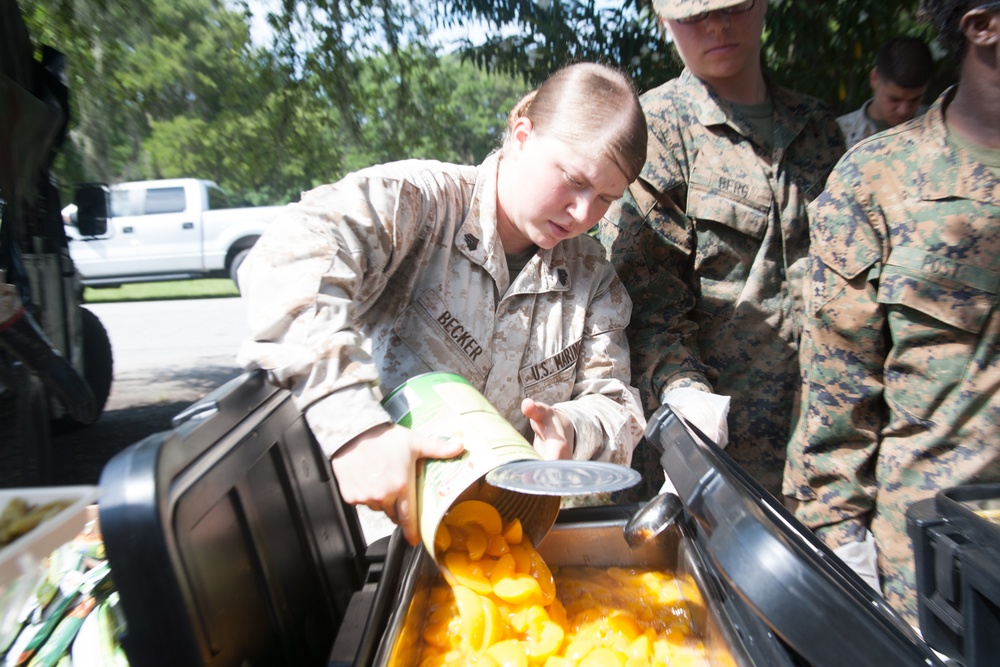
[447, 406]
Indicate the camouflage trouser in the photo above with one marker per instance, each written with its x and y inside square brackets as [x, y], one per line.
[897, 570]
[905, 477]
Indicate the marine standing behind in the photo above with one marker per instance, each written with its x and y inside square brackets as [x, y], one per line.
[898, 81]
[901, 351]
[711, 239]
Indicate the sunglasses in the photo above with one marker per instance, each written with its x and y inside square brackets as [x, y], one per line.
[740, 8]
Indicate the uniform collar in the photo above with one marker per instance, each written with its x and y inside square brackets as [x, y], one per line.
[950, 171]
[479, 240]
[791, 110]
[477, 237]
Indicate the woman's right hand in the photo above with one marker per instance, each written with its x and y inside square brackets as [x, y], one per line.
[378, 469]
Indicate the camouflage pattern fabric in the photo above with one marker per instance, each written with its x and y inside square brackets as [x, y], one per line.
[711, 242]
[678, 9]
[397, 270]
[856, 125]
[900, 350]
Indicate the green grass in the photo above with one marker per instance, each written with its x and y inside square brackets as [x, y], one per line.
[206, 288]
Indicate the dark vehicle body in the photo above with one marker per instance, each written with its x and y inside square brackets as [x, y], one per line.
[55, 356]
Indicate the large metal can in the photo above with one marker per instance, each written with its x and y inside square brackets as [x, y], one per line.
[447, 406]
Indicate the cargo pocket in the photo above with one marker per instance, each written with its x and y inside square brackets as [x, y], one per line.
[731, 216]
[937, 310]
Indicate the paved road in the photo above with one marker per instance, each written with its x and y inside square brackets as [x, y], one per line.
[167, 355]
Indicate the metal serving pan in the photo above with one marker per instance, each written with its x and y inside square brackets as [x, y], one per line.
[584, 536]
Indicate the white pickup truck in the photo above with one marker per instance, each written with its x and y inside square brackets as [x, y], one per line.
[170, 229]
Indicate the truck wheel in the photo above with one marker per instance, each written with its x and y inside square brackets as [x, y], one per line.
[25, 432]
[235, 265]
[98, 363]
[98, 367]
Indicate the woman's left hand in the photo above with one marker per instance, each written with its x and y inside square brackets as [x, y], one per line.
[554, 432]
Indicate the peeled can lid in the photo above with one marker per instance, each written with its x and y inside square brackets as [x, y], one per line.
[562, 478]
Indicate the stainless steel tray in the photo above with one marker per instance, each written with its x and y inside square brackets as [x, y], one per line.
[591, 536]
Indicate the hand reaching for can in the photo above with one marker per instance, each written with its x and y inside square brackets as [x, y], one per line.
[554, 432]
[378, 469]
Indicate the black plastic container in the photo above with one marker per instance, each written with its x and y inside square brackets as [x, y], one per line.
[957, 554]
[229, 543]
[793, 585]
[230, 546]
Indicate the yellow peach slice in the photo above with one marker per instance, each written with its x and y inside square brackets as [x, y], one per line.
[544, 640]
[508, 653]
[477, 512]
[470, 610]
[476, 541]
[557, 612]
[579, 647]
[442, 539]
[519, 589]
[557, 661]
[623, 624]
[513, 532]
[460, 571]
[493, 625]
[522, 557]
[642, 646]
[543, 575]
[603, 657]
[504, 568]
[438, 634]
[497, 547]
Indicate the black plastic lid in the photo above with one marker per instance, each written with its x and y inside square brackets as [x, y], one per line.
[808, 597]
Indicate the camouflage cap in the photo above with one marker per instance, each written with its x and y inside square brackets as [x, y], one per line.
[678, 9]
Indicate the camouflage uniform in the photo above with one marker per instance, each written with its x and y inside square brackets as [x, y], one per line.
[857, 125]
[899, 360]
[711, 241]
[397, 270]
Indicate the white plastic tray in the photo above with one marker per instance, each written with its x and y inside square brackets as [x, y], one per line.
[21, 560]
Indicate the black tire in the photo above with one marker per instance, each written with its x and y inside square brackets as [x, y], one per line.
[98, 362]
[235, 265]
[25, 431]
[98, 368]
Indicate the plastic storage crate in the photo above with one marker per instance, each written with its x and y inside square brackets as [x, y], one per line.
[957, 552]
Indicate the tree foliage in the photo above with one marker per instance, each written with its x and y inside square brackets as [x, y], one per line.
[168, 88]
[823, 49]
[178, 88]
